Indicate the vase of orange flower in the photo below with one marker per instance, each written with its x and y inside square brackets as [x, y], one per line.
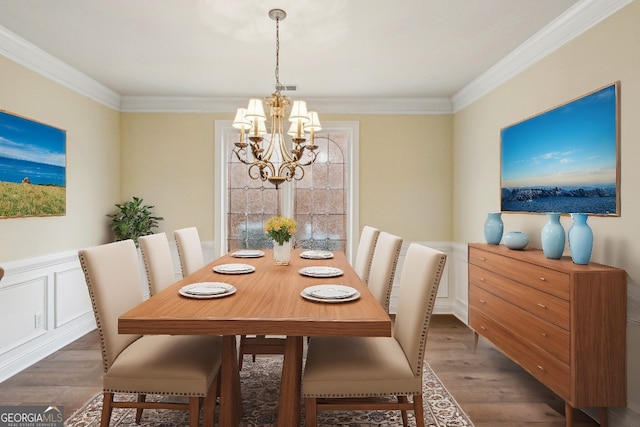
[281, 230]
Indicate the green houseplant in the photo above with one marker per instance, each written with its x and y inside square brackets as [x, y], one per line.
[133, 220]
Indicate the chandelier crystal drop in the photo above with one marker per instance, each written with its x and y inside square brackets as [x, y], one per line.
[281, 160]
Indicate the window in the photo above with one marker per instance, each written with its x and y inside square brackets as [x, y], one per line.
[322, 202]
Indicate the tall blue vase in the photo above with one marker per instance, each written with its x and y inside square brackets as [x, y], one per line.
[493, 228]
[580, 239]
[553, 236]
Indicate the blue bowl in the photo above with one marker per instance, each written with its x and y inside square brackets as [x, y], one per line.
[515, 240]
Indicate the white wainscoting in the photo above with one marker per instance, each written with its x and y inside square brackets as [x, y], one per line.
[452, 293]
[45, 305]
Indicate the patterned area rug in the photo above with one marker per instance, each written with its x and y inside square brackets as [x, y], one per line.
[260, 383]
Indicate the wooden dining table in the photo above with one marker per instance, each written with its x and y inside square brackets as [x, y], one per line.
[267, 301]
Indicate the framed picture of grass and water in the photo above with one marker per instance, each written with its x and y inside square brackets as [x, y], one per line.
[32, 168]
[566, 159]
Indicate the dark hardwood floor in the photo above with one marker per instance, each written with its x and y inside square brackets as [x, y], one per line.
[491, 389]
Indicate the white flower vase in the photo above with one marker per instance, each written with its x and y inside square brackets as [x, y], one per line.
[282, 253]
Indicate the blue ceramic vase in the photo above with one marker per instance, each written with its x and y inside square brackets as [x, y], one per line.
[580, 239]
[493, 228]
[552, 236]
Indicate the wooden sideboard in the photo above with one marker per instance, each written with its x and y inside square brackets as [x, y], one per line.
[562, 322]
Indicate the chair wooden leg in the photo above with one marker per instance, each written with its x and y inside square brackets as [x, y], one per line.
[194, 411]
[418, 410]
[403, 412]
[141, 398]
[209, 405]
[310, 412]
[107, 401]
[241, 351]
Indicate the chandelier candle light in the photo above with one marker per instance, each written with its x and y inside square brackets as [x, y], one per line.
[287, 164]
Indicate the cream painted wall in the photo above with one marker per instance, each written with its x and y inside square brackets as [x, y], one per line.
[604, 54]
[93, 165]
[168, 159]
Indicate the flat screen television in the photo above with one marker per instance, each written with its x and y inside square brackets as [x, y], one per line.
[566, 159]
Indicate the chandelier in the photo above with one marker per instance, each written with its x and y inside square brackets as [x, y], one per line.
[280, 160]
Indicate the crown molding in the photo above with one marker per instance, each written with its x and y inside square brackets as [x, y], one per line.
[575, 21]
[149, 104]
[32, 57]
[579, 18]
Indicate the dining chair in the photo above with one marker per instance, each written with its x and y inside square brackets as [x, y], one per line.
[189, 249]
[158, 262]
[365, 372]
[383, 267]
[139, 364]
[364, 253]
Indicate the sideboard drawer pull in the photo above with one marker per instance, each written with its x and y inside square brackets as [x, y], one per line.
[482, 279]
[483, 259]
[542, 305]
[482, 301]
[544, 279]
[483, 328]
[544, 334]
[541, 368]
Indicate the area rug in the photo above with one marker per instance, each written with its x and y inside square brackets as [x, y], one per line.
[260, 383]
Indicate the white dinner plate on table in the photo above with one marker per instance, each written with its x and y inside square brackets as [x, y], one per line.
[234, 268]
[313, 254]
[248, 253]
[205, 290]
[321, 271]
[330, 293]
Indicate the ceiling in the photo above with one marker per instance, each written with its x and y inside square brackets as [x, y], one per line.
[329, 48]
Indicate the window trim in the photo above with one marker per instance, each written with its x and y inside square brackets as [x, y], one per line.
[224, 127]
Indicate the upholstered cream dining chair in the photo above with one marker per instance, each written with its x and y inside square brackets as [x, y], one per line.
[189, 249]
[137, 364]
[364, 253]
[354, 372]
[383, 267]
[158, 261]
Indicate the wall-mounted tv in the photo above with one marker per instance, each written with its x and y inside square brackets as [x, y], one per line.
[566, 159]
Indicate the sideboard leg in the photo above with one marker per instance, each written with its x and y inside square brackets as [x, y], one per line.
[568, 414]
[604, 417]
[475, 341]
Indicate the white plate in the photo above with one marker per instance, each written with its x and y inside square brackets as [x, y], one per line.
[248, 253]
[330, 293]
[317, 254]
[205, 290]
[321, 271]
[234, 268]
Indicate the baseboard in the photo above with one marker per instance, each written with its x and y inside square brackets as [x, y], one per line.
[51, 343]
[618, 417]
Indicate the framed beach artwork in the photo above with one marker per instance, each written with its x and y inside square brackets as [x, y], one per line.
[566, 159]
[32, 168]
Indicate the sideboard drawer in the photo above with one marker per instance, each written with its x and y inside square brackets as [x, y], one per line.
[547, 280]
[548, 307]
[550, 371]
[550, 338]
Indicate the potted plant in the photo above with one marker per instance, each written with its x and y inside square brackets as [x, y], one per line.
[133, 220]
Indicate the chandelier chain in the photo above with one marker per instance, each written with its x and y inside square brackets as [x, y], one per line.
[288, 162]
[278, 55]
